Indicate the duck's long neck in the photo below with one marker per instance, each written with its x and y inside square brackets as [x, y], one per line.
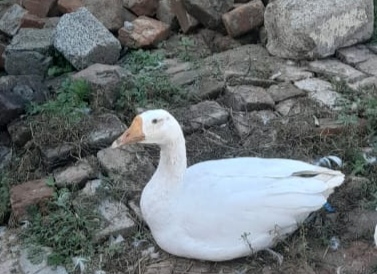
[173, 163]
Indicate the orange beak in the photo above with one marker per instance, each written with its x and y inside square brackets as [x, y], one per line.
[132, 135]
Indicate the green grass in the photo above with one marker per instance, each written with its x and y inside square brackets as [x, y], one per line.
[150, 85]
[60, 119]
[140, 60]
[188, 45]
[59, 66]
[71, 98]
[67, 229]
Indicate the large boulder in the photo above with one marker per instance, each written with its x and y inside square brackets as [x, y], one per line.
[300, 29]
[84, 41]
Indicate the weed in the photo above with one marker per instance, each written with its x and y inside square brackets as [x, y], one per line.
[68, 230]
[60, 65]
[150, 86]
[4, 197]
[141, 60]
[188, 45]
[59, 120]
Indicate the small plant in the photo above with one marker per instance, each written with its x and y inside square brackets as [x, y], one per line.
[141, 60]
[68, 230]
[150, 86]
[60, 119]
[188, 45]
[59, 66]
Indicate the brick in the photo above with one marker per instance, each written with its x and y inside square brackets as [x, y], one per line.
[27, 194]
[142, 7]
[244, 18]
[67, 6]
[32, 21]
[143, 32]
[38, 7]
[185, 20]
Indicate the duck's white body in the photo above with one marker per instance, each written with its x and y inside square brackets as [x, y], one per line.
[224, 209]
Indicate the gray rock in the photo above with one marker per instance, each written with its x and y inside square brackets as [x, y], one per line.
[16, 92]
[185, 20]
[84, 41]
[91, 187]
[206, 87]
[51, 22]
[29, 52]
[5, 157]
[202, 115]
[184, 77]
[331, 68]
[11, 20]
[366, 82]
[75, 175]
[291, 73]
[301, 29]
[28, 267]
[107, 128]
[57, 156]
[19, 132]
[105, 82]
[208, 12]
[109, 12]
[246, 122]
[117, 218]
[372, 47]
[284, 91]
[235, 78]
[320, 91]
[251, 61]
[362, 224]
[354, 55]
[369, 66]
[130, 165]
[9, 243]
[165, 13]
[287, 107]
[248, 98]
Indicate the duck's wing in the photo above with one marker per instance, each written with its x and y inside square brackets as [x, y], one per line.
[221, 206]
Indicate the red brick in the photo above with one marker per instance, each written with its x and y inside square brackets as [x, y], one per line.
[38, 7]
[32, 21]
[185, 20]
[142, 7]
[244, 18]
[143, 32]
[67, 6]
[27, 194]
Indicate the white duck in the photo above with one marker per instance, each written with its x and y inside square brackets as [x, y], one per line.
[222, 209]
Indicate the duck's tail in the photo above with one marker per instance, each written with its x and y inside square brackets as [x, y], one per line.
[332, 178]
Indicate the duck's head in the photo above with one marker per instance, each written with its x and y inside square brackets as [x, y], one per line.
[151, 127]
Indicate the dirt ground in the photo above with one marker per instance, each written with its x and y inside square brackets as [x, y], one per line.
[338, 242]
[328, 242]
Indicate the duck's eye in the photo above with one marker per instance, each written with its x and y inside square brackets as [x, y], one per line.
[154, 121]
